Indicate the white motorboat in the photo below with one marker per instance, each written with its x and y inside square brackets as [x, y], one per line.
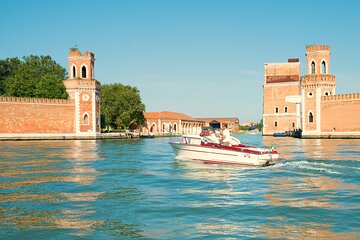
[204, 149]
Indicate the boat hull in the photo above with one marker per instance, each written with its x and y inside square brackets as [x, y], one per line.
[220, 155]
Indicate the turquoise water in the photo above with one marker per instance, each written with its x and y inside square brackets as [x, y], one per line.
[123, 189]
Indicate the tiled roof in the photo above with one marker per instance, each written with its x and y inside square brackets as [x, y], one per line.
[169, 115]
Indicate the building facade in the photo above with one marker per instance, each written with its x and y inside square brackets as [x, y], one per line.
[76, 117]
[160, 123]
[231, 122]
[309, 103]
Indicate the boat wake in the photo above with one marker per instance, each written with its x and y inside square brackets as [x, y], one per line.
[325, 167]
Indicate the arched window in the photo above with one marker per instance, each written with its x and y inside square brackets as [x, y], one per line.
[83, 72]
[286, 110]
[311, 117]
[276, 110]
[313, 67]
[323, 67]
[152, 128]
[275, 123]
[86, 119]
[74, 71]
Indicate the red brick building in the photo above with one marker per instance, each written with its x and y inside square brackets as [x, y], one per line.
[310, 102]
[76, 117]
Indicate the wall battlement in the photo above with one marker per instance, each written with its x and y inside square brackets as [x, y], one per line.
[315, 48]
[4, 99]
[77, 53]
[348, 96]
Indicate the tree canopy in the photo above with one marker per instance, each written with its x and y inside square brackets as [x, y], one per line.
[35, 76]
[121, 106]
[7, 69]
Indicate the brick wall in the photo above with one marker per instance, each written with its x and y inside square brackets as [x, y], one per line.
[340, 113]
[32, 115]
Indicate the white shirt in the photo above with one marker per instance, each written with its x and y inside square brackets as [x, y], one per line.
[226, 135]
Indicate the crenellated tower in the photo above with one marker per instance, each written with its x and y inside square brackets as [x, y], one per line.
[317, 83]
[85, 91]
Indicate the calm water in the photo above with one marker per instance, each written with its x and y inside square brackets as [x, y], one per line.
[123, 189]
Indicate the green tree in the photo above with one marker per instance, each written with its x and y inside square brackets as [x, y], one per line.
[260, 125]
[121, 106]
[7, 69]
[37, 76]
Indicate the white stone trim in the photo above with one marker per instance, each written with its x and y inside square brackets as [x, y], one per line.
[93, 108]
[318, 109]
[293, 99]
[281, 84]
[279, 114]
[77, 112]
[303, 110]
[298, 115]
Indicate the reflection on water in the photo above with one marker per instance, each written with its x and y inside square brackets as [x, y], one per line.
[306, 231]
[137, 189]
[334, 149]
[36, 173]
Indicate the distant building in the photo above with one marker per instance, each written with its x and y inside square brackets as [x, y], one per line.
[308, 103]
[158, 123]
[248, 124]
[232, 122]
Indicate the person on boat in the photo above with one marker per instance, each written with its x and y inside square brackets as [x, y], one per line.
[212, 136]
[226, 136]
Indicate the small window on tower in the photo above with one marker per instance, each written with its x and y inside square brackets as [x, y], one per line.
[275, 123]
[286, 110]
[313, 68]
[276, 110]
[311, 117]
[323, 67]
[83, 72]
[326, 93]
[86, 119]
[74, 72]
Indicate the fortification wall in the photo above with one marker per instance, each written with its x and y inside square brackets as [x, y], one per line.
[340, 113]
[36, 115]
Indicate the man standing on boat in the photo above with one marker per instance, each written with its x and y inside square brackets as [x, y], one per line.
[226, 136]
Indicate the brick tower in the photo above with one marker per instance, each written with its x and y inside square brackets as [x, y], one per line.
[317, 83]
[84, 90]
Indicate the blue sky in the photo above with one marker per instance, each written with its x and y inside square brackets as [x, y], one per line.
[200, 57]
